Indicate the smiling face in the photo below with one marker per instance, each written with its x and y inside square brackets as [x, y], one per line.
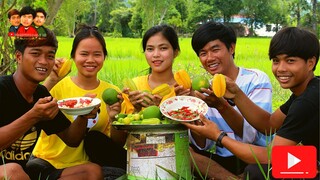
[216, 58]
[292, 72]
[26, 20]
[159, 53]
[39, 20]
[36, 63]
[89, 57]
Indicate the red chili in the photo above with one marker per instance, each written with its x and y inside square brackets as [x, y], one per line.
[183, 113]
[69, 103]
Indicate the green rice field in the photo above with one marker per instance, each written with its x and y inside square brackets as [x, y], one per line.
[126, 59]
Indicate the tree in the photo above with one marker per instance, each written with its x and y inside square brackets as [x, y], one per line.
[104, 9]
[297, 9]
[24, 2]
[173, 18]
[120, 21]
[257, 13]
[136, 20]
[176, 15]
[228, 8]
[53, 8]
[157, 12]
[69, 15]
[154, 12]
[182, 7]
[279, 9]
[314, 15]
[7, 62]
[41, 3]
[200, 12]
[183, 15]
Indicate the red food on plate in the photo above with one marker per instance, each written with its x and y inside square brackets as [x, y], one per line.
[73, 103]
[85, 101]
[184, 113]
[68, 103]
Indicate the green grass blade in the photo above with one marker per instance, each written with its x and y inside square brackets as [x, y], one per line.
[124, 177]
[260, 167]
[173, 174]
[269, 149]
[4, 167]
[195, 165]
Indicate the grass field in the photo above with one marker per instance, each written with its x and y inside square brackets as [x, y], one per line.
[126, 59]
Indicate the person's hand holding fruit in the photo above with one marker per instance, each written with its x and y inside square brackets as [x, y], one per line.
[113, 100]
[182, 87]
[60, 70]
[141, 99]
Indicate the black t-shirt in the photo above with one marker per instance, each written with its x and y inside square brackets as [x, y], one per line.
[302, 121]
[13, 106]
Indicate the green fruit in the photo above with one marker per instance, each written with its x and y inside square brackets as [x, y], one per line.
[151, 112]
[200, 82]
[136, 117]
[120, 120]
[120, 115]
[116, 122]
[109, 96]
[150, 121]
[126, 120]
[135, 122]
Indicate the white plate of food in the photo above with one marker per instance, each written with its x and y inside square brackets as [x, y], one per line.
[183, 108]
[78, 105]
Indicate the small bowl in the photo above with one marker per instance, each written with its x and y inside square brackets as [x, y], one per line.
[177, 102]
[79, 108]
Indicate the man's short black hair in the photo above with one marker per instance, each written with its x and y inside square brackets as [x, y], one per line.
[212, 31]
[295, 42]
[40, 9]
[28, 10]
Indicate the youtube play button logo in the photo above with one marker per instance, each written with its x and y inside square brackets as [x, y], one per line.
[294, 161]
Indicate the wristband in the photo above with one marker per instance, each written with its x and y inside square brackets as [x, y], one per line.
[90, 121]
[230, 102]
[93, 121]
[218, 142]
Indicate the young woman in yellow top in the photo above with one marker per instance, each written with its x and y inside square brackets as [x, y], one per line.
[161, 46]
[102, 144]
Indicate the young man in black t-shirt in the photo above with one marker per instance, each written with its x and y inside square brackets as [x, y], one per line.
[26, 108]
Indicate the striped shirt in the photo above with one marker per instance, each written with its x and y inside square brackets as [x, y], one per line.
[256, 85]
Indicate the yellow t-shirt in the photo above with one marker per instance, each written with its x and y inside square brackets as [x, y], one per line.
[142, 84]
[52, 148]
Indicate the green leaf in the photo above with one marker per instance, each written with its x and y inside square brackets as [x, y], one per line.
[173, 174]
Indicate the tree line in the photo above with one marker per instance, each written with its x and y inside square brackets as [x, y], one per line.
[130, 18]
